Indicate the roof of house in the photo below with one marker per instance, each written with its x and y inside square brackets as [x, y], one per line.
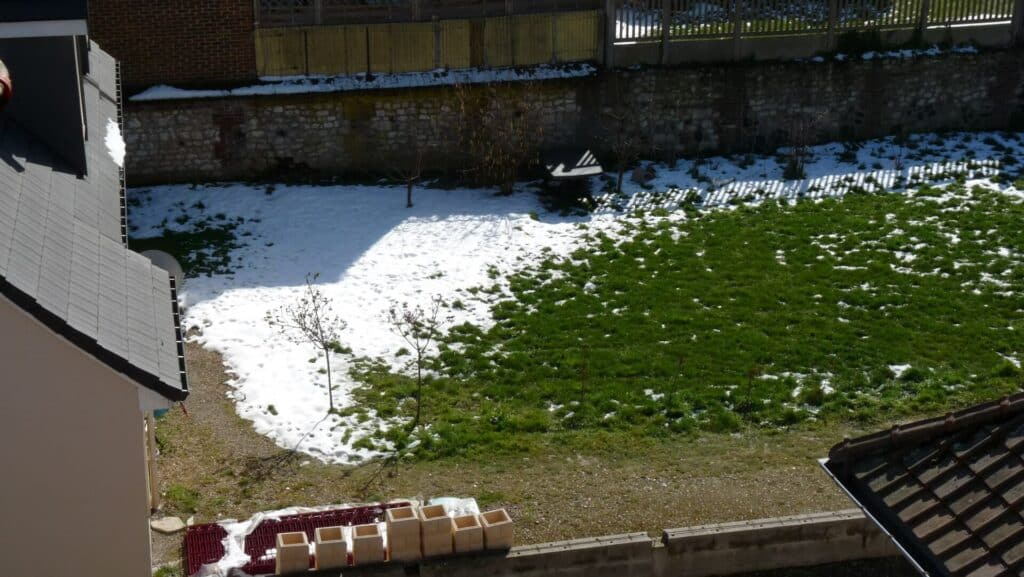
[39, 10]
[948, 490]
[63, 256]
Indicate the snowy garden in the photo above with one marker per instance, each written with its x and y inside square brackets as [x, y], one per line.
[714, 297]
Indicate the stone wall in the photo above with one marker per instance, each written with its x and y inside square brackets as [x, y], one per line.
[324, 134]
[672, 112]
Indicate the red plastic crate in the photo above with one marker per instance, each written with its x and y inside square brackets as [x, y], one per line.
[203, 542]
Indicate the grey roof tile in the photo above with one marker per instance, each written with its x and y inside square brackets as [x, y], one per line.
[61, 249]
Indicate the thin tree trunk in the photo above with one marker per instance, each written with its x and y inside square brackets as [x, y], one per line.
[330, 388]
[408, 194]
[419, 387]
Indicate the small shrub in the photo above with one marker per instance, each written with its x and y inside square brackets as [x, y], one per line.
[721, 420]
[1007, 370]
[913, 375]
[794, 169]
[182, 499]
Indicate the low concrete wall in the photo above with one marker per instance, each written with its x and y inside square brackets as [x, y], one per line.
[725, 549]
[750, 546]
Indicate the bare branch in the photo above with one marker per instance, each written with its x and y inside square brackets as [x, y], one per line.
[311, 320]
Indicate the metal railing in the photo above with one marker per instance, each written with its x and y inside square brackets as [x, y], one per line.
[639, 20]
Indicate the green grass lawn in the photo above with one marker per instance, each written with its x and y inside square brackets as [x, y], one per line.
[768, 318]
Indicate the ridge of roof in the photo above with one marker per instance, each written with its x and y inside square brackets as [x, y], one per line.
[913, 433]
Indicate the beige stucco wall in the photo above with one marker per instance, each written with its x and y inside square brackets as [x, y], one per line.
[73, 488]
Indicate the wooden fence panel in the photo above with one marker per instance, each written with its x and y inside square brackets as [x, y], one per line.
[380, 48]
[498, 44]
[412, 46]
[532, 34]
[578, 36]
[455, 44]
[281, 52]
[336, 49]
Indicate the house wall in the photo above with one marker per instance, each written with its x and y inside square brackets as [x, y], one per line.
[672, 111]
[184, 42]
[73, 499]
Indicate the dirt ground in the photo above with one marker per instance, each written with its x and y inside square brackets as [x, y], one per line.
[230, 471]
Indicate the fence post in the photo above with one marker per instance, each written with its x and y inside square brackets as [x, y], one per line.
[554, 37]
[666, 28]
[833, 21]
[609, 34]
[1018, 22]
[438, 38]
[737, 31]
[926, 8]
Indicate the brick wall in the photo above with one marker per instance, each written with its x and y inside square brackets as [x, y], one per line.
[178, 42]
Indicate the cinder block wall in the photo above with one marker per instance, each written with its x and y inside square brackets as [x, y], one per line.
[179, 42]
[727, 549]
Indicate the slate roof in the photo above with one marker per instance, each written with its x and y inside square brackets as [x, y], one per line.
[38, 10]
[948, 490]
[62, 249]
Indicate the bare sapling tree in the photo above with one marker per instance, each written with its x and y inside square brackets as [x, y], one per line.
[310, 320]
[623, 143]
[410, 174]
[420, 328]
[623, 133]
[800, 145]
[500, 135]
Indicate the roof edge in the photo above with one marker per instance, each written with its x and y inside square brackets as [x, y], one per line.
[826, 465]
[915, 432]
[93, 347]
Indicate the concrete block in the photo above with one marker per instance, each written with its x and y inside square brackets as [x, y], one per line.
[468, 535]
[292, 553]
[331, 548]
[404, 543]
[435, 531]
[497, 529]
[367, 544]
